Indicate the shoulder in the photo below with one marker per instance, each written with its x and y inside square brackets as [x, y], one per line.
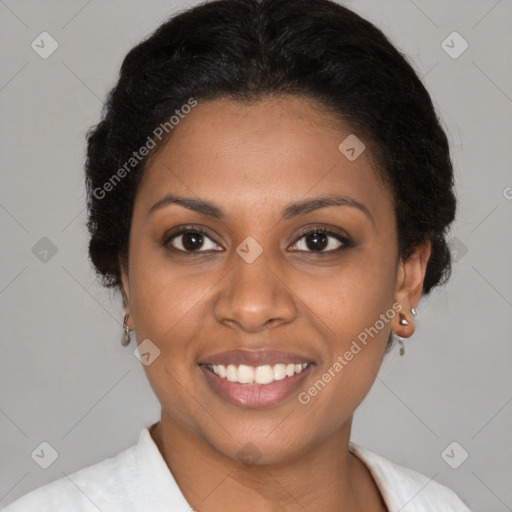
[406, 489]
[100, 486]
[135, 479]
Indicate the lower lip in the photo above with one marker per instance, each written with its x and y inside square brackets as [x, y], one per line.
[254, 396]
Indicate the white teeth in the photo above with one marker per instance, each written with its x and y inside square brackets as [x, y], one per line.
[232, 373]
[264, 374]
[279, 371]
[245, 374]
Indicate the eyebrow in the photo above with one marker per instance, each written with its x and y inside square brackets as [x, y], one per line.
[292, 210]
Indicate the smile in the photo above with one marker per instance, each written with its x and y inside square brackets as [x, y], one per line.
[255, 387]
[263, 374]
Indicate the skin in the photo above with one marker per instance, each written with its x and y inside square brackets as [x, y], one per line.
[252, 160]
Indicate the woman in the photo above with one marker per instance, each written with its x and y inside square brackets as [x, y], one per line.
[269, 189]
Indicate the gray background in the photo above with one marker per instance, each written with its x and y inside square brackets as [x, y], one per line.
[66, 379]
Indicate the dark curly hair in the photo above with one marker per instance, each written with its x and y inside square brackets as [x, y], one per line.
[244, 50]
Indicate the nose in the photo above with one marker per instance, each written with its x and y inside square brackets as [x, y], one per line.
[254, 297]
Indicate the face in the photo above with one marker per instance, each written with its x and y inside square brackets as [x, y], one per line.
[264, 277]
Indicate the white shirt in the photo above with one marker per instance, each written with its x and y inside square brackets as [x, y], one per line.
[138, 479]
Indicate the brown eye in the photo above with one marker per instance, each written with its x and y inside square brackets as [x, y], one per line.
[192, 240]
[316, 241]
[321, 241]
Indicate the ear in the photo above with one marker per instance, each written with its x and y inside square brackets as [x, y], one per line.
[409, 285]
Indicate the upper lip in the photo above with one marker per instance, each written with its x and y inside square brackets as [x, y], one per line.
[254, 357]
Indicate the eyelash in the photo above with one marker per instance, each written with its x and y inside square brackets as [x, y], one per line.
[346, 242]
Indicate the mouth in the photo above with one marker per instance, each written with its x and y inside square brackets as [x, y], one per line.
[260, 375]
[255, 379]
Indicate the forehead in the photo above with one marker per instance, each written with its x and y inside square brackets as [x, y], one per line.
[261, 155]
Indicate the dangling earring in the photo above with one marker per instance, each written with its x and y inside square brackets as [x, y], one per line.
[402, 349]
[402, 320]
[125, 340]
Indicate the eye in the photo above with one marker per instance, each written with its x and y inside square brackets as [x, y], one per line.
[191, 240]
[318, 240]
[321, 240]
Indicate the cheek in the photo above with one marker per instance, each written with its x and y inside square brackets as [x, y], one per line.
[165, 309]
[164, 299]
[353, 310]
[351, 296]
[169, 309]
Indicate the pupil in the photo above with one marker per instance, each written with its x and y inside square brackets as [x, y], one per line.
[192, 241]
[318, 241]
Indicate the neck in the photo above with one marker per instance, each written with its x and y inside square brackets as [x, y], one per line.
[328, 477]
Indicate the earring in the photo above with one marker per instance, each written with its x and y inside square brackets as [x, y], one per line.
[402, 349]
[125, 340]
[414, 312]
[402, 320]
